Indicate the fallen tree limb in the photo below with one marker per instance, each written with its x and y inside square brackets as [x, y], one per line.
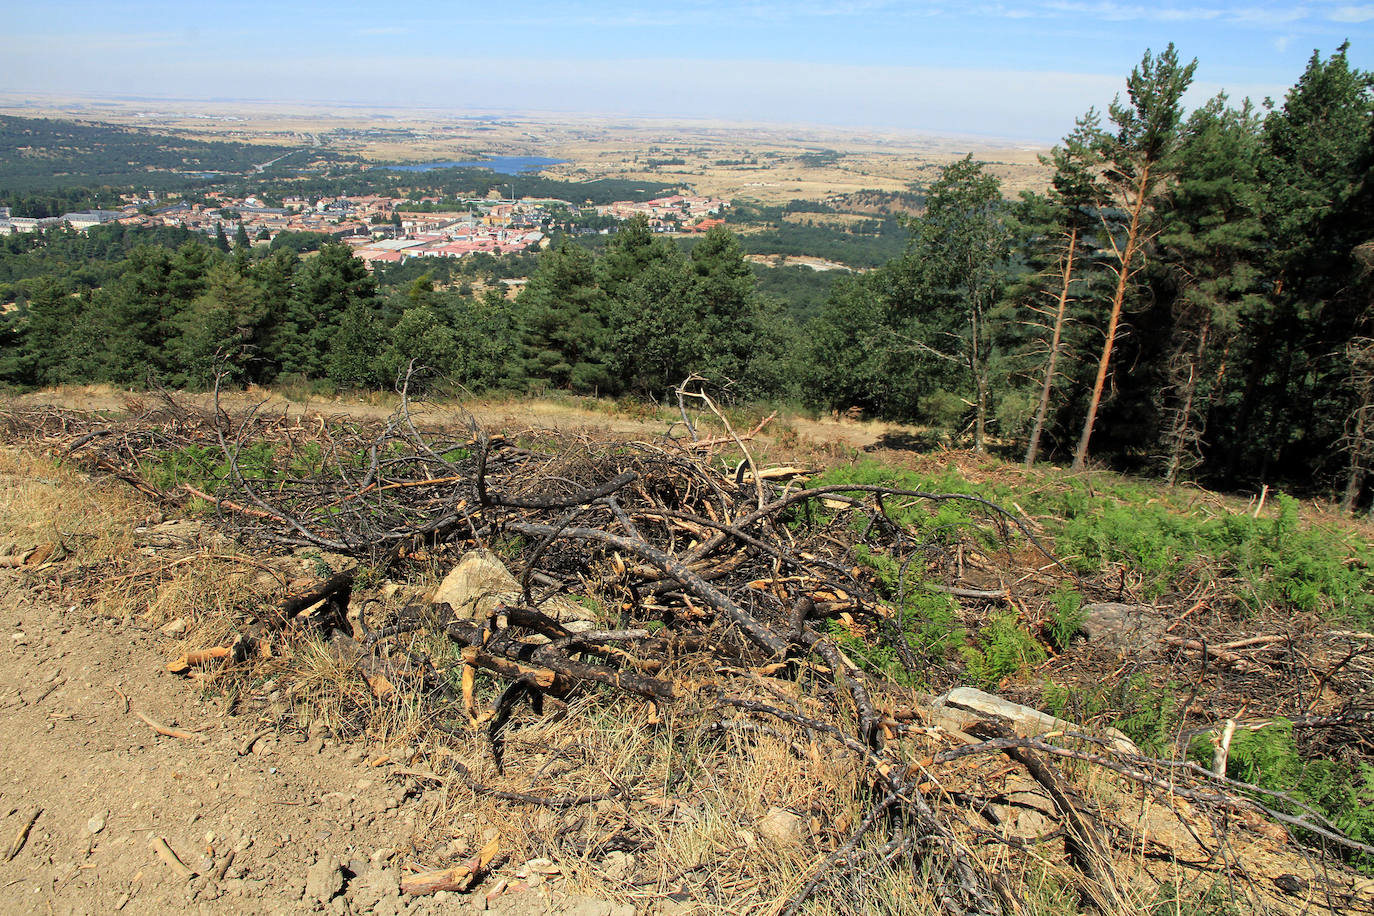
[458, 878]
[22, 836]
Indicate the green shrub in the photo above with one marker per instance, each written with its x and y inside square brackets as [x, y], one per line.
[1280, 563]
[206, 467]
[1004, 649]
[1143, 713]
[1067, 618]
[925, 620]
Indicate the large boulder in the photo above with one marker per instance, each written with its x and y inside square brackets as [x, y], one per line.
[1122, 626]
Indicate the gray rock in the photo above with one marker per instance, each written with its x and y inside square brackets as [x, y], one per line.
[1025, 721]
[378, 890]
[617, 865]
[477, 584]
[1122, 626]
[590, 906]
[176, 628]
[1029, 812]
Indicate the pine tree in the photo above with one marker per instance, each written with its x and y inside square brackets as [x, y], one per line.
[1316, 155]
[1139, 159]
[1072, 200]
[1209, 241]
[565, 321]
[219, 330]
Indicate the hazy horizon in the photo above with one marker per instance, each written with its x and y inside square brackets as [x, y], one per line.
[1015, 70]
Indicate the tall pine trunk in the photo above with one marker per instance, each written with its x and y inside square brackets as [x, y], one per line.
[1354, 481]
[1123, 281]
[977, 361]
[1061, 309]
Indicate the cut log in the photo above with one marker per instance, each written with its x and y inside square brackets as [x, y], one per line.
[458, 878]
[190, 660]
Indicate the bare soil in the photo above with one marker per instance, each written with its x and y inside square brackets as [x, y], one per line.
[106, 785]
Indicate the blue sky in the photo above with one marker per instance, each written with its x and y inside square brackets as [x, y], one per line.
[1012, 69]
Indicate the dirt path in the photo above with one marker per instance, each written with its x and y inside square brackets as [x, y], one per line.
[107, 785]
[294, 825]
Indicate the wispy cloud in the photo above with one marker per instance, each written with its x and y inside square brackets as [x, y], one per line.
[1352, 14]
[1127, 12]
[1269, 16]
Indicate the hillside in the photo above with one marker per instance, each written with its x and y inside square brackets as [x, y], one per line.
[648, 748]
[39, 154]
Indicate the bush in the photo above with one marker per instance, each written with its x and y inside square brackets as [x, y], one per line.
[1268, 757]
[1004, 650]
[1281, 564]
[1067, 618]
[1142, 712]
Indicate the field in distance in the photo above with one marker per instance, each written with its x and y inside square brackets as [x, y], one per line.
[770, 164]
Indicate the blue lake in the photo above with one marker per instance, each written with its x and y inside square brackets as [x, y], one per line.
[505, 165]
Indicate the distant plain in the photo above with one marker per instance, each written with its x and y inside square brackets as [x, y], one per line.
[766, 163]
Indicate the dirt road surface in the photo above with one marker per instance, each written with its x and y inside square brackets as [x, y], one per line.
[107, 787]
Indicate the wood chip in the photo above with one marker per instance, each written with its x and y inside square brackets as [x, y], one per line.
[188, 661]
[246, 746]
[167, 731]
[458, 878]
[22, 836]
[165, 853]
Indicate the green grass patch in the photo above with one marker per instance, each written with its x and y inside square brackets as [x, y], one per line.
[1276, 562]
[1144, 713]
[1003, 649]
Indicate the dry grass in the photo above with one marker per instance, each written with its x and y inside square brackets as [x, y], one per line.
[688, 815]
[98, 558]
[42, 502]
